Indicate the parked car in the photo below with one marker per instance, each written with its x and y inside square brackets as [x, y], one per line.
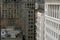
[3, 34]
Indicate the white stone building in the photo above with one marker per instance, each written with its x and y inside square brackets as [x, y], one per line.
[40, 26]
[52, 19]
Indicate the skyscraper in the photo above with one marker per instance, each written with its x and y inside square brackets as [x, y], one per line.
[52, 19]
[29, 8]
[19, 14]
[40, 26]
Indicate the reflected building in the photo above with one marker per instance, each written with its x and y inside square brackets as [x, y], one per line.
[40, 26]
[19, 14]
[52, 19]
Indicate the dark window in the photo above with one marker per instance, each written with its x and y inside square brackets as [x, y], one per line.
[32, 33]
[31, 26]
[14, 0]
[29, 11]
[5, 0]
[29, 15]
[29, 30]
[31, 37]
[28, 36]
[28, 4]
[32, 7]
[31, 22]
[31, 19]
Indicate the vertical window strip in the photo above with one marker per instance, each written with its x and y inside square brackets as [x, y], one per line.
[59, 12]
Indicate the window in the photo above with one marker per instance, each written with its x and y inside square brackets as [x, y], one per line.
[52, 24]
[59, 26]
[9, 0]
[30, 19]
[53, 11]
[28, 4]
[31, 22]
[54, 34]
[14, 0]
[31, 26]
[59, 37]
[28, 36]
[31, 37]
[29, 11]
[29, 15]
[4, 13]
[5, 0]
[11, 22]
